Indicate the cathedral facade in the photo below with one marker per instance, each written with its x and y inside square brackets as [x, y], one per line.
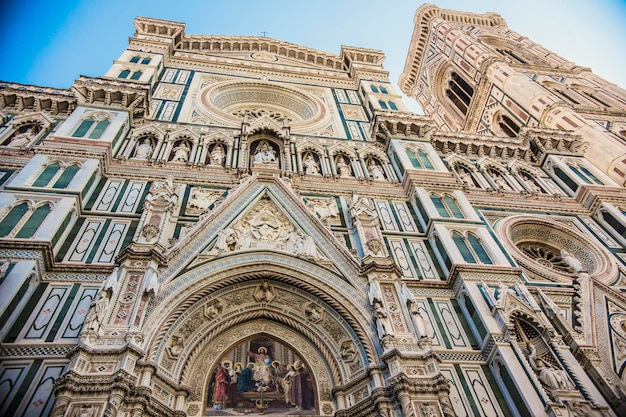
[228, 225]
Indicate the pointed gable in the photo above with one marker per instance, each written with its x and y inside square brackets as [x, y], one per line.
[262, 214]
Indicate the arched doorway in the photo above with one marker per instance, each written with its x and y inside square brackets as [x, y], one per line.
[301, 314]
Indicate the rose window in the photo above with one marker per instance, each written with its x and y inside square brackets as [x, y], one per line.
[537, 242]
[546, 256]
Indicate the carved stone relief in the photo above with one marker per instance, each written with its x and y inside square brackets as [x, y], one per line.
[265, 227]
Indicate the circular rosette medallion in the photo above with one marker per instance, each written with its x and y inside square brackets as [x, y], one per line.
[549, 250]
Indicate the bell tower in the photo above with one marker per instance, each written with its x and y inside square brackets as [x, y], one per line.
[472, 73]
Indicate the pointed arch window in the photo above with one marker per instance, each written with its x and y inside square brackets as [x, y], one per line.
[83, 128]
[12, 219]
[461, 244]
[67, 176]
[590, 176]
[382, 104]
[419, 159]
[511, 54]
[459, 92]
[97, 132]
[46, 175]
[91, 129]
[374, 89]
[595, 99]
[446, 206]
[34, 222]
[136, 75]
[383, 90]
[124, 74]
[146, 61]
[393, 106]
[478, 249]
[135, 59]
[471, 248]
[508, 126]
[614, 223]
[585, 175]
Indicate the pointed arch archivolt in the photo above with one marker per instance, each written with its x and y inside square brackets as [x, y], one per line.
[321, 312]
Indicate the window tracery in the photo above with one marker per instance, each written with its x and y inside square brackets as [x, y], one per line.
[56, 173]
[459, 92]
[419, 158]
[446, 206]
[545, 255]
[92, 126]
[506, 126]
[23, 220]
[471, 248]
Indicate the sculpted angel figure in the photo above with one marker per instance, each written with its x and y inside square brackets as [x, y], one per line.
[571, 261]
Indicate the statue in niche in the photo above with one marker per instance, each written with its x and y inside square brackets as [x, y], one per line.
[264, 293]
[311, 166]
[418, 320]
[181, 152]
[218, 155]
[416, 316]
[373, 292]
[97, 313]
[86, 411]
[499, 180]
[530, 182]
[383, 325]
[144, 149]
[343, 169]
[571, 261]
[23, 138]
[551, 377]
[465, 176]
[375, 170]
[264, 153]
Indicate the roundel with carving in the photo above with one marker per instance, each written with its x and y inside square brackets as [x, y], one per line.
[550, 250]
[230, 102]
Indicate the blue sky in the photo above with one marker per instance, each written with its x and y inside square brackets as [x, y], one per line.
[51, 43]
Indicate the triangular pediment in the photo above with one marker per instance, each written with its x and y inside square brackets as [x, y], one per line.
[261, 214]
